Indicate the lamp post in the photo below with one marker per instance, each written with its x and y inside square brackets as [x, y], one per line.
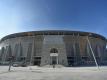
[10, 62]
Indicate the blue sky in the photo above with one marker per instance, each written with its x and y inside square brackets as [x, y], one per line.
[30, 15]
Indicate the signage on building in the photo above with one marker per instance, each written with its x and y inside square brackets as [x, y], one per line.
[53, 54]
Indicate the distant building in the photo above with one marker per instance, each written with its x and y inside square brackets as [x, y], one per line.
[67, 48]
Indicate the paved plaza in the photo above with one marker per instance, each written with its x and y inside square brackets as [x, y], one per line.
[38, 73]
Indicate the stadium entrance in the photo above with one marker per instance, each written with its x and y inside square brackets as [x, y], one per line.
[37, 60]
[54, 56]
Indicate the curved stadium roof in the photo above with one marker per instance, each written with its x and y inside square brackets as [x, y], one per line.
[52, 32]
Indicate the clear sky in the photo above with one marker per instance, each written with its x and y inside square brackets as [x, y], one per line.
[30, 15]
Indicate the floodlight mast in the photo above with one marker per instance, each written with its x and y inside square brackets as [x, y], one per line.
[92, 51]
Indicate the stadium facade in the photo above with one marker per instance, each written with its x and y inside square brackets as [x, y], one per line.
[67, 48]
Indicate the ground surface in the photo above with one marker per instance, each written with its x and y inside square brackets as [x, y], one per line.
[37, 73]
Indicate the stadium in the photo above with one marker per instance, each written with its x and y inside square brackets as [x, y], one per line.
[54, 47]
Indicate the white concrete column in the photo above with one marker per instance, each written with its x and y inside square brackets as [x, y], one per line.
[6, 53]
[32, 54]
[92, 53]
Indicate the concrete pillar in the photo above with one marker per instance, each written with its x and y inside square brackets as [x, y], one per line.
[29, 51]
[6, 53]
[32, 53]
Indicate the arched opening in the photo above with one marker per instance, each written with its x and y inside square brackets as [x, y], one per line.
[53, 50]
[54, 56]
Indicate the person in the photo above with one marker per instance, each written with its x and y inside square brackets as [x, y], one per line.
[53, 62]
